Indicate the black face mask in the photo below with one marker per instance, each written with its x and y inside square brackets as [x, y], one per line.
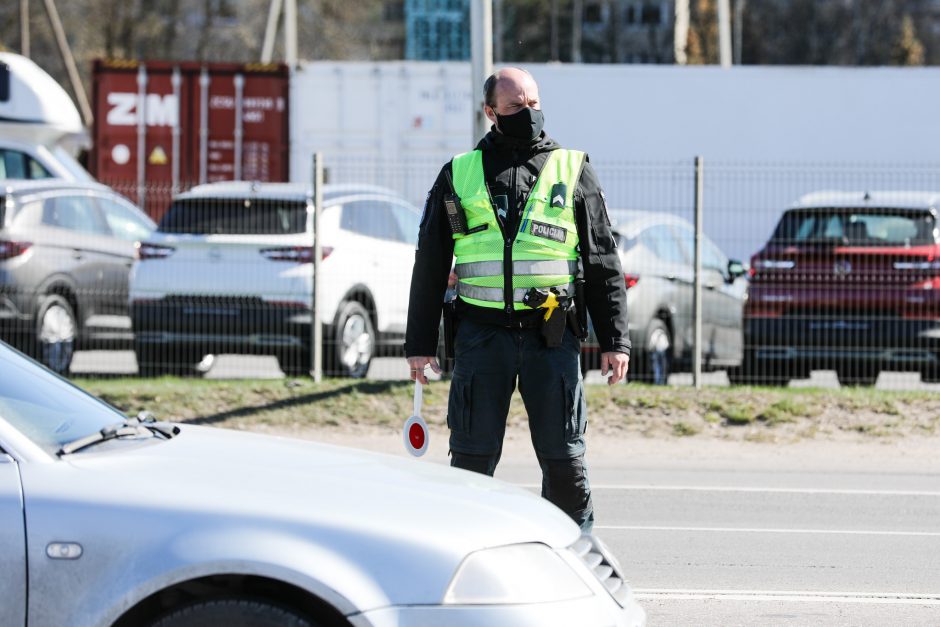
[525, 124]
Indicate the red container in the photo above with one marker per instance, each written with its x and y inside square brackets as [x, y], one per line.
[162, 127]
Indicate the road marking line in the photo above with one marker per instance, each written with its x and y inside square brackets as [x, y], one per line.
[684, 488]
[788, 595]
[855, 532]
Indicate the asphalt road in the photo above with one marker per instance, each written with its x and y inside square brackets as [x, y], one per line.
[716, 543]
[110, 363]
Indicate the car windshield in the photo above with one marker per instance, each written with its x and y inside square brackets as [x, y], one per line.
[856, 227]
[235, 216]
[46, 408]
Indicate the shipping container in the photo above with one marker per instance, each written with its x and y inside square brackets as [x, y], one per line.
[162, 127]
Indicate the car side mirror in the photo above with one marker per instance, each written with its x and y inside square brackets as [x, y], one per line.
[736, 269]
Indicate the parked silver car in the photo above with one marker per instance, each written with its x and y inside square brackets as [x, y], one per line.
[657, 252]
[106, 520]
[66, 249]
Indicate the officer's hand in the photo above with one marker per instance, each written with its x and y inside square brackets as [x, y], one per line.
[417, 366]
[617, 363]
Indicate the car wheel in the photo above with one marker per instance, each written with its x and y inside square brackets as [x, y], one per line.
[156, 361]
[930, 375]
[353, 345]
[233, 613]
[297, 363]
[56, 332]
[753, 371]
[656, 358]
[860, 376]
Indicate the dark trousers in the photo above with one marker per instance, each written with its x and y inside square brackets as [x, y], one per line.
[489, 361]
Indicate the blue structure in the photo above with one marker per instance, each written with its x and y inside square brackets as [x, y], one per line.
[437, 30]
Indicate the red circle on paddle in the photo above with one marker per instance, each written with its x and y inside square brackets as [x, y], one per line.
[416, 436]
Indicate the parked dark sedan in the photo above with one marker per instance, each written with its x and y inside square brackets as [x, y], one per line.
[657, 253]
[65, 253]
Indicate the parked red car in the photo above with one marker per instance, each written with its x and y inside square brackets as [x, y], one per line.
[849, 281]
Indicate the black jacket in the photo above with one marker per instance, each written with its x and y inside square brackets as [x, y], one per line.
[510, 168]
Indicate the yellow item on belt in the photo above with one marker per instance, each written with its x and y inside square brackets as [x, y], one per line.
[549, 305]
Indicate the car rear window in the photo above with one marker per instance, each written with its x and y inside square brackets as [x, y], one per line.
[235, 216]
[888, 227]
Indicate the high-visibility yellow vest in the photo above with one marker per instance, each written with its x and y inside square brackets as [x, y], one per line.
[541, 253]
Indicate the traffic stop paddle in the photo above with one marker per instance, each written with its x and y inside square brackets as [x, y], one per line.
[415, 433]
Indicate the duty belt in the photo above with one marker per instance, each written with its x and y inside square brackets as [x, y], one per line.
[495, 294]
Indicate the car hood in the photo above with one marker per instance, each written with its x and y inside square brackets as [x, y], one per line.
[406, 523]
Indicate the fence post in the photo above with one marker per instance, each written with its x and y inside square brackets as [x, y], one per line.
[316, 328]
[697, 293]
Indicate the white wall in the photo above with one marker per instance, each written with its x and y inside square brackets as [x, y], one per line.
[768, 134]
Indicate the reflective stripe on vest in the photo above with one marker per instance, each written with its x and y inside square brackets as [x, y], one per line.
[543, 250]
[493, 268]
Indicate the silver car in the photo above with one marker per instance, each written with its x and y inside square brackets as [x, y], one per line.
[656, 253]
[109, 520]
[66, 250]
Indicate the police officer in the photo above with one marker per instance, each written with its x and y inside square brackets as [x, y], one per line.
[519, 212]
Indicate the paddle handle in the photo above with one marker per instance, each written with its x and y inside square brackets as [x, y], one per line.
[419, 398]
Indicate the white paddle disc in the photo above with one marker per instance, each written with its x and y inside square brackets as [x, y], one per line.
[415, 435]
[415, 432]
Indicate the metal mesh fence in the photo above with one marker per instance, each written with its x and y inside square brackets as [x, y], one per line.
[806, 268]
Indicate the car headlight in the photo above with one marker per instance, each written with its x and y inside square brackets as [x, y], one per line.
[520, 573]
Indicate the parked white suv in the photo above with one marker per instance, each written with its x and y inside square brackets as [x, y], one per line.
[229, 271]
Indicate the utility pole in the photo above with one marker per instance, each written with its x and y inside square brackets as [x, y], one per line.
[738, 30]
[24, 28]
[69, 61]
[290, 31]
[270, 31]
[577, 15]
[680, 34]
[724, 33]
[498, 30]
[481, 59]
[553, 32]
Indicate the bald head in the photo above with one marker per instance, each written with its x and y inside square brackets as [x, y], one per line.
[508, 91]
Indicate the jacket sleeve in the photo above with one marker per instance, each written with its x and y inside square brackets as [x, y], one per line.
[433, 260]
[605, 291]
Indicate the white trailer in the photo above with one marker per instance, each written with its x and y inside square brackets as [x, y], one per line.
[38, 117]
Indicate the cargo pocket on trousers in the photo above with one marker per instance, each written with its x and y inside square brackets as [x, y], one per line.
[575, 418]
[458, 404]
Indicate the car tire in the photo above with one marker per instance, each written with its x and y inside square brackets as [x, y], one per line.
[753, 371]
[930, 375]
[656, 357]
[858, 376]
[156, 361]
[297, 363]
[352, 348]
[56, 334]
[233, 613]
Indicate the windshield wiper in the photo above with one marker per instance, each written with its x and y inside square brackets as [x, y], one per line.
[144, 424]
